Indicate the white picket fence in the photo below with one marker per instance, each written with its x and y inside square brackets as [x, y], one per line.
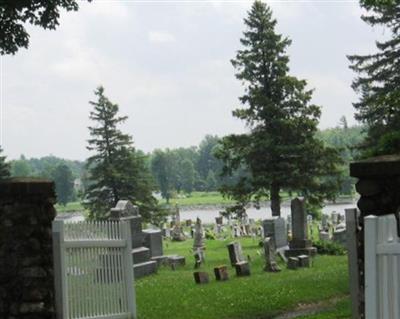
[93, 270]
[382, 268]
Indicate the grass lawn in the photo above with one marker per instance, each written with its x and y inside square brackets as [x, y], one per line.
[174, 295]
[70, 207]
[206, 198]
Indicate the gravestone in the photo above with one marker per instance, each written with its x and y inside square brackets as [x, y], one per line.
[324, 221]
[174, 261]
[142, 264]
[275, 228]
[304, 261]
[293, 263]
[300, 244]
[198, 257]
[340, 237]
[218, 220]
[335, 218]
[242, 269]
[177, 230]
[153, 241]
[270, 259]
[289, 223]
[201, 277]
[198, 235]
[221, 273]
[235, 253]
[324, 236]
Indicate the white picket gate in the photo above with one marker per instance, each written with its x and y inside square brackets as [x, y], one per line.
[93, 270]
[382, 268]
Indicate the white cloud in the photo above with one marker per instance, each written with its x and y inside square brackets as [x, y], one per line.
[161, 37]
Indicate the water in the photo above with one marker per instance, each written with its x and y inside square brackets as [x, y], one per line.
[207, 215]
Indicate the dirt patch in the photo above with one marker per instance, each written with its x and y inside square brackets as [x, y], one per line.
[310, 309]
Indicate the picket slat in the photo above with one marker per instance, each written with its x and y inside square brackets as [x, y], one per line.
[382, 266]
[94, 263]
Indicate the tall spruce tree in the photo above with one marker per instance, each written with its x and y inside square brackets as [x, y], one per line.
[4, 166]
[280, 151]
[378, 81]
[115, 170]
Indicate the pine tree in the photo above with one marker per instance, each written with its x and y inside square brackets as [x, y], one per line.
[115, 170]
[4, 166]
[378, 82]
[280, 151]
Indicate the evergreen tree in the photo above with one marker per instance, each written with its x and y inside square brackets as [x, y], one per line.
[280, 151]
[378, 81]
[64, 182]
[115, 170]
[4, 166]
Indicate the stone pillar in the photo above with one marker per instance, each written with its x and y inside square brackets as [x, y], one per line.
[26, 256]
[379, 188]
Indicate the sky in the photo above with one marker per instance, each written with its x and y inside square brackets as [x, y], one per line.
[167, 65]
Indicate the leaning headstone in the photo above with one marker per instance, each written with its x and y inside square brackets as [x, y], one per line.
[304, 261]
[293, 263]
[221, 273]
[235, 253]
[300, 244]
[270, 260]
[275, 228]
[201, 277]
[242, 269]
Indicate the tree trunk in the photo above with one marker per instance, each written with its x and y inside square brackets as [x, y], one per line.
[275, 199]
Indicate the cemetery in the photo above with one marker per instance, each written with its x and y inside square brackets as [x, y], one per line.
[289, 211]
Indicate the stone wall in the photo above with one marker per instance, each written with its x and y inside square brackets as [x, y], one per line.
[26, 263]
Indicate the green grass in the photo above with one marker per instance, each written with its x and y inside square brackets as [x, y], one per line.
[205, 198]
[70, 207]
[173, 294]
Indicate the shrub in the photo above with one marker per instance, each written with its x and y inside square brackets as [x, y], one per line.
[329, 248]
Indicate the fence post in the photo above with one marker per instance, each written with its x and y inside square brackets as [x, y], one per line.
[352, 248]
[60, 281]
[371, 287]
[128, 261]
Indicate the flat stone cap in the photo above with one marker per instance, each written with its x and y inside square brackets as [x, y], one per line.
[26, 186]
[380, 166]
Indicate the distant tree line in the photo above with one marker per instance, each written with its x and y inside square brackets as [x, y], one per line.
[180, 170]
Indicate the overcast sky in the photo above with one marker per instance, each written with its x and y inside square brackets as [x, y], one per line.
[167, 65]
